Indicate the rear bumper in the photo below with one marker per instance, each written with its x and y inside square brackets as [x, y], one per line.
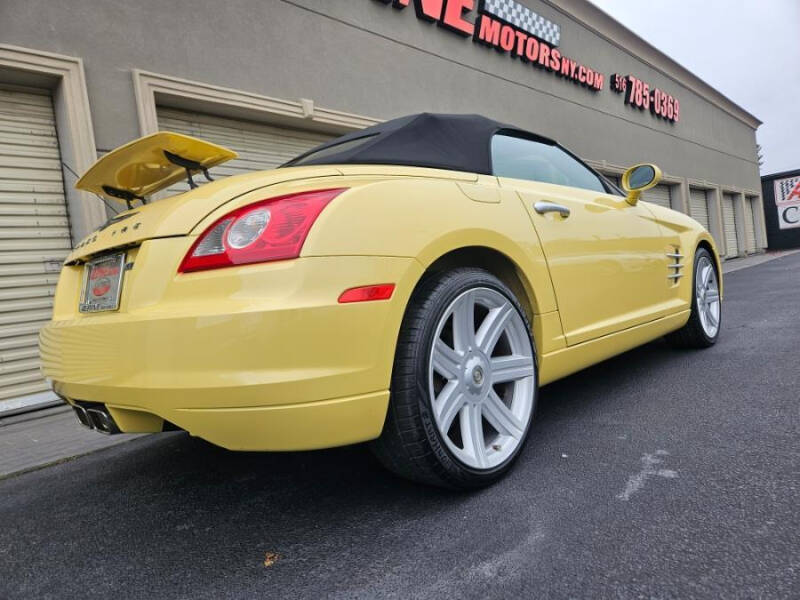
[250, 358]
[307, 426]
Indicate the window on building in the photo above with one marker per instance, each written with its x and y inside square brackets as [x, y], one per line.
[522, 158]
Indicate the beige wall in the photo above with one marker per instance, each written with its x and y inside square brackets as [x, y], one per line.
[364, 59]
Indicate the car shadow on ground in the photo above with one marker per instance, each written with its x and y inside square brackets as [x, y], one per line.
[194, 462]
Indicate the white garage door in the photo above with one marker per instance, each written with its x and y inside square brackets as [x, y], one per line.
[659, 195]
[729, 222]
[260, 147]
[749, 225]
[698, 206]
[34, 236]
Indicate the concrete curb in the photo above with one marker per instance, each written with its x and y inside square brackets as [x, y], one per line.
[737, 264]
[45, 437]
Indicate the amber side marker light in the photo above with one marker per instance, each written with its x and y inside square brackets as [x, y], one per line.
[367, 293]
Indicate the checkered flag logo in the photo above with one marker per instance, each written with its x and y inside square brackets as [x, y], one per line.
[525, 19]
[784, 188]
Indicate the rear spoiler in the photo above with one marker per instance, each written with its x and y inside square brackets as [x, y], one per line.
[151, 163]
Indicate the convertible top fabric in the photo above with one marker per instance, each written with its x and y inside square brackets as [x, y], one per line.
[439, 141]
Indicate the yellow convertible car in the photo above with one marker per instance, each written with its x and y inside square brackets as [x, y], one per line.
[411, 284]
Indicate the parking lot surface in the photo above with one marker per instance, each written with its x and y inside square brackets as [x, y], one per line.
[657, 474]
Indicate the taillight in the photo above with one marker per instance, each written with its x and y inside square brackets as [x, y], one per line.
[273, 229]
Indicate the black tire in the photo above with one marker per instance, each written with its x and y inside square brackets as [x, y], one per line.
[410, 444]
[693, 335]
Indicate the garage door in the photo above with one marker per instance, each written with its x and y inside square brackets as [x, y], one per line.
[259, 146]
[698, 206]
[749, 225]
[729, 223]
[34, 235]
[659, 195]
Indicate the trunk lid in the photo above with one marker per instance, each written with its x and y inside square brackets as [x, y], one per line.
[145, 166]
[178, 215]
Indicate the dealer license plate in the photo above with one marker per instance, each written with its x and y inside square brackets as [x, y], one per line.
[102, 283]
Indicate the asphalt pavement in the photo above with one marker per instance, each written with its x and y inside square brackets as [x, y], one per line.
[657, 474]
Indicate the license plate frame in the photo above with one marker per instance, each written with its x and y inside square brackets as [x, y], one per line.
[102, 283]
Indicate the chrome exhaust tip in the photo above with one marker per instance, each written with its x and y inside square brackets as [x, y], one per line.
[83, 418]
[102, 420]
[95, 416]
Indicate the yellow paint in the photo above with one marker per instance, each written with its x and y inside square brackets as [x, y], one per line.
[141, 167]
[484, 190]
[548, 333]
[682, 231]
[136, 421]
[570, 360]
[263, 357]
[635, 193]
[323, 424]
[607, 260]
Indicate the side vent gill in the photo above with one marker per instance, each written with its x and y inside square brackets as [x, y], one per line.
[675, 266]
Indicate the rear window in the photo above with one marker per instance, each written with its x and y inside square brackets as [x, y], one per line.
[314, 155]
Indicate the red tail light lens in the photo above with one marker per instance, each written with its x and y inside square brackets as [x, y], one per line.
[273, 229]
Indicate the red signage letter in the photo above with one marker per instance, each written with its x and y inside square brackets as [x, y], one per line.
[489, 31]
[555, 60]
[532, 49]
[544, 55]
[507, 38]
[430, 10]
[454, 16]
[795, 192]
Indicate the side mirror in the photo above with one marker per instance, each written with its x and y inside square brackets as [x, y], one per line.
[638, 179]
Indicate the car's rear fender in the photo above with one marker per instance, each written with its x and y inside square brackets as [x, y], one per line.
[428, 219]
[402, 212]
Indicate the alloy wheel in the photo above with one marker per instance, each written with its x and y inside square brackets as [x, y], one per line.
[708, 301]
[481, 378]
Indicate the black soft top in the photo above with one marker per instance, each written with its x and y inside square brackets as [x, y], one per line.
[439, 141]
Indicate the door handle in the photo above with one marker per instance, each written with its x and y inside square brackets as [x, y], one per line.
[546, 207]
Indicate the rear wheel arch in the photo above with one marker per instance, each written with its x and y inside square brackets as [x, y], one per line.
[495, 262]
[490, 259]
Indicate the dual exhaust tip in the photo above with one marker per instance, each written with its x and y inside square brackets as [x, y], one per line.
[96, 417]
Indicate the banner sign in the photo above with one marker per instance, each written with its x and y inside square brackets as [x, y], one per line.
[787, 201]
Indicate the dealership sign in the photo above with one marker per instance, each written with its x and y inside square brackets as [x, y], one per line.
[643, 96]
[514, 29]
[511, 28]
[787, 201]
